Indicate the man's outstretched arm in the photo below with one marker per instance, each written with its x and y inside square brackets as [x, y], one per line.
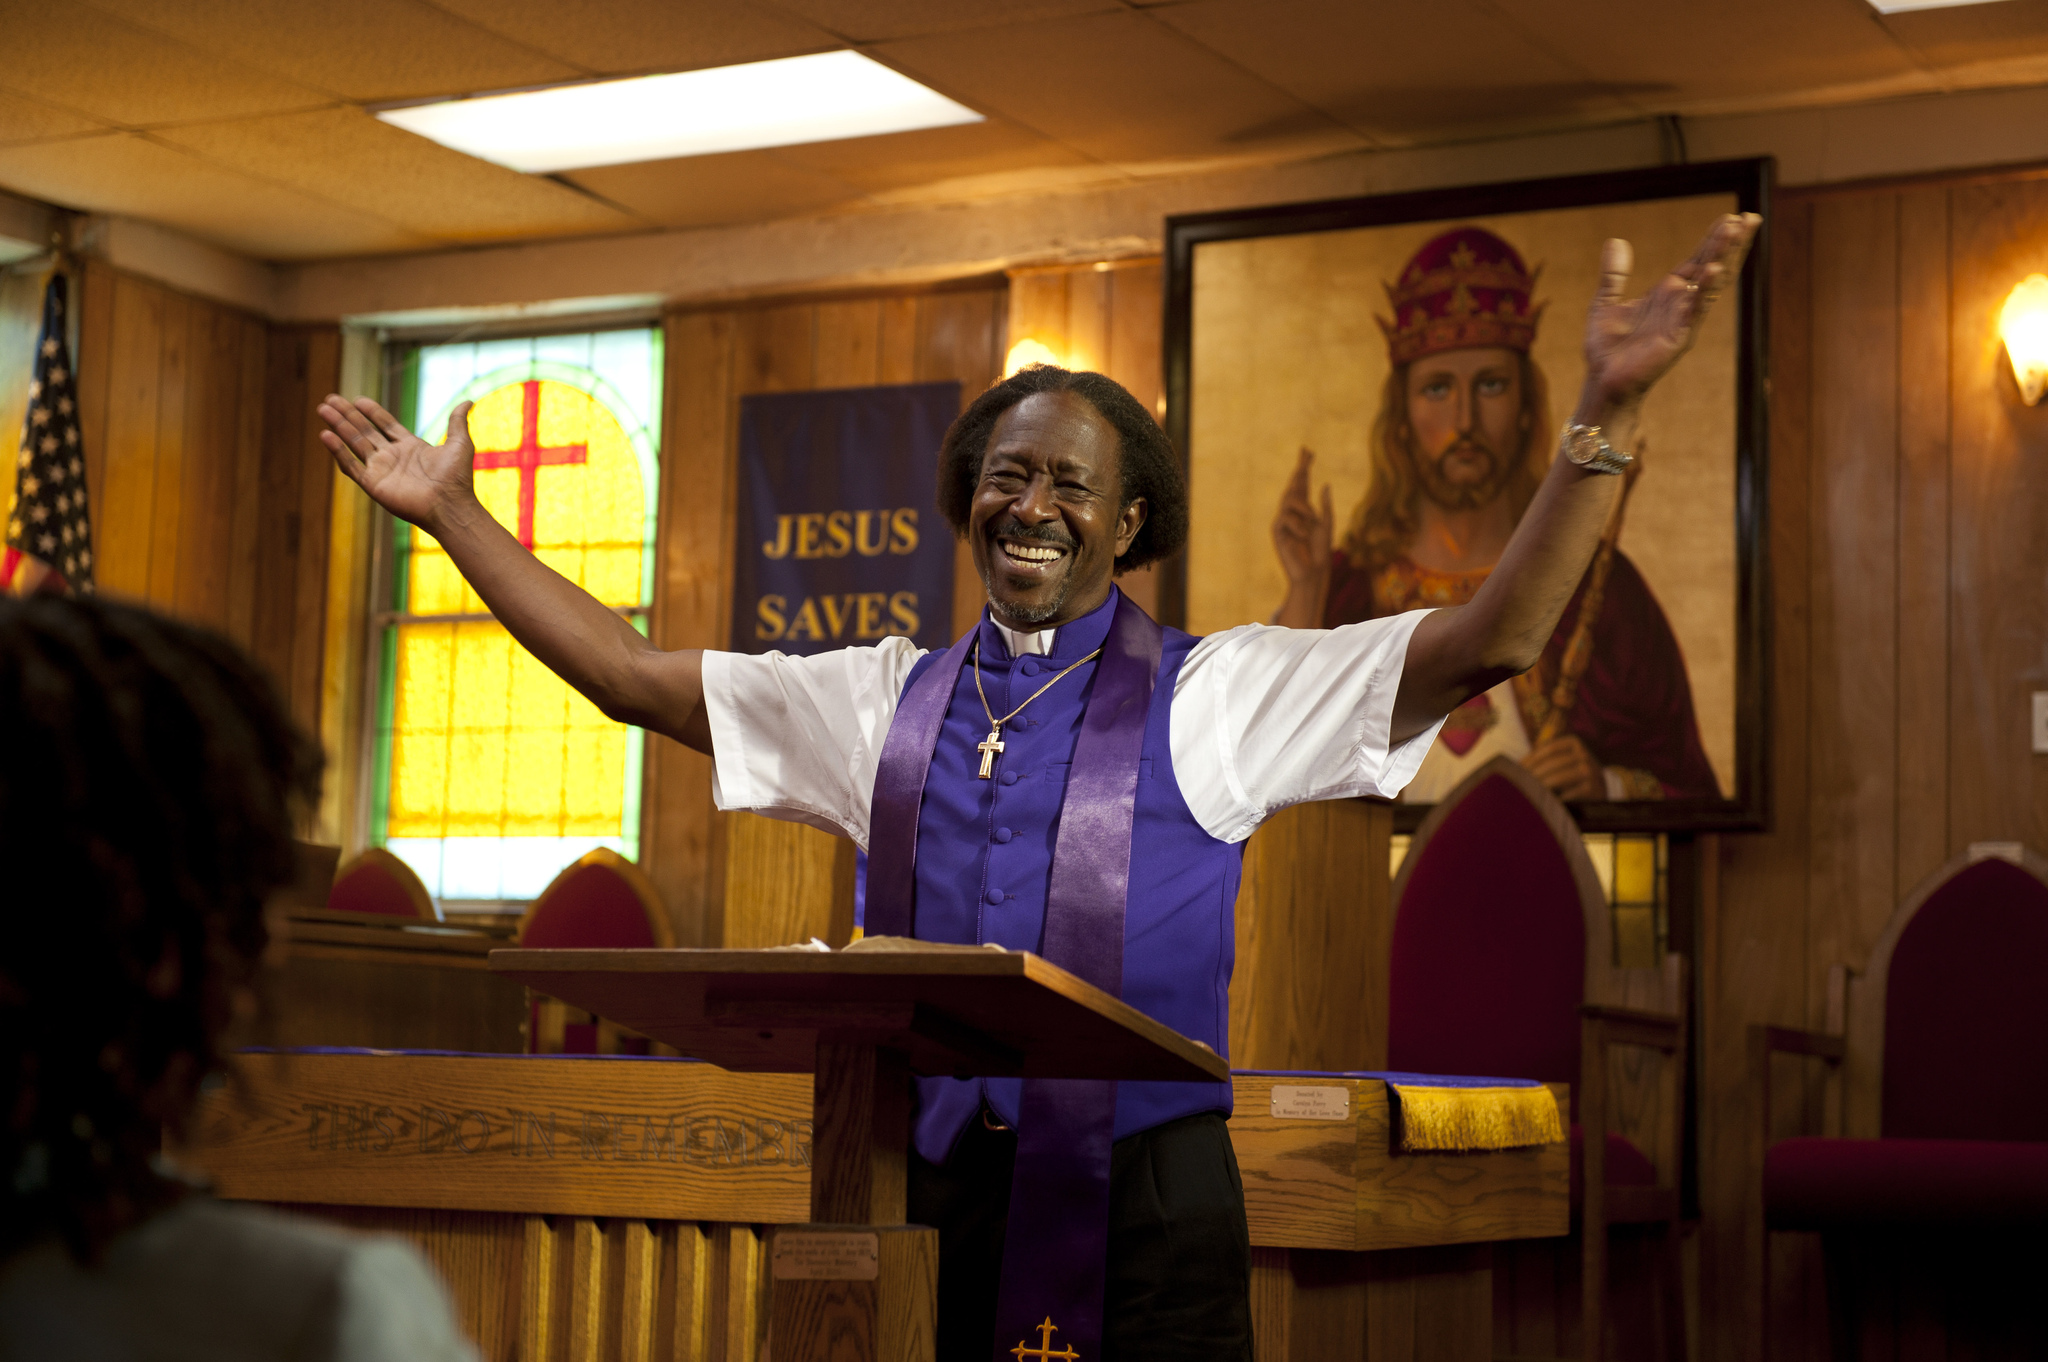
[580, 639]
[1459, 652]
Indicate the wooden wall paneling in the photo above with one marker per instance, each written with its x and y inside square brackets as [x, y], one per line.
[896, 354]
[846, 350]
[125, 503]
[682, 845]
[1922, 833]
[94, 290]
[1089, 310]
[168, 507]
[1997, 789]
[1753, 939]
[960, 337]
[1133, 359]
[246, 495]
[314, 516]
[206, 498]
[776, 347]
[1853, 643]
[1038, 308]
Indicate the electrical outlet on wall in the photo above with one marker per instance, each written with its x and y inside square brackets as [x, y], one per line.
[2041, 721]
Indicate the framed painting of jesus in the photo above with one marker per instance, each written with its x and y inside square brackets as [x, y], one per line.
[1367, 393]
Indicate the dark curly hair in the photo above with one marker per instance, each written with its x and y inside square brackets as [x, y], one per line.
[150, 781]
[1146, 463]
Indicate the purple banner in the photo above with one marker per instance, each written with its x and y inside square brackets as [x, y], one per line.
[839, 542]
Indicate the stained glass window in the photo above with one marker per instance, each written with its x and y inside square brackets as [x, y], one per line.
[490, 773]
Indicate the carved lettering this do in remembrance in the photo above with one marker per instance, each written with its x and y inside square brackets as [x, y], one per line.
[714, 1141]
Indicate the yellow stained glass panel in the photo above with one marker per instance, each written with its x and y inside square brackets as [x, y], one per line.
[486, 742]
[588, 507]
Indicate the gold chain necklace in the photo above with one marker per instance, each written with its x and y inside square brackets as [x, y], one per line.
[993, 743]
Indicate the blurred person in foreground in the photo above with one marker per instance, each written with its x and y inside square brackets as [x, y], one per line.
[149, 784]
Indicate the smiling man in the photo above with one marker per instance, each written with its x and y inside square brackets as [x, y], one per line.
[1072, 779]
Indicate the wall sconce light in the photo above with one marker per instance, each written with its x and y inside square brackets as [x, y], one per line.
[2023, 326]
[1028, 352]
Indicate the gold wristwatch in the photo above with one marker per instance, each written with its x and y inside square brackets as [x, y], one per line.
[1588, 448]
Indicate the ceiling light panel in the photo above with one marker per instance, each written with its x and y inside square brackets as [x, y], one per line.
[819, 98]
[1906, 6]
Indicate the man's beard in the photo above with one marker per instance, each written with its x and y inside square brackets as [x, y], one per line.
[1461, 496]
[1009, 527]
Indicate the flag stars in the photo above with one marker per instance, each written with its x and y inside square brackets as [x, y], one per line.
[47, 541]
[50, 348]
[48, 444]
[58, 375]
[30, 485]
[39, 416]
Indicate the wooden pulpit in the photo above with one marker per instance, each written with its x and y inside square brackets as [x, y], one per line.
[857, 1282]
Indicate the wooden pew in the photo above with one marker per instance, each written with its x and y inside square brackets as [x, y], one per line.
[586, 1208]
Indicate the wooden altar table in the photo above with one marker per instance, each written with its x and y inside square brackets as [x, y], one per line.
[587, 1207]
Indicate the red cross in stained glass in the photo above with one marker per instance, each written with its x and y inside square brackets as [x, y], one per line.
[530, 457]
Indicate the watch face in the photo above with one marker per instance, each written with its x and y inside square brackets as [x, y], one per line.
[1582, 447]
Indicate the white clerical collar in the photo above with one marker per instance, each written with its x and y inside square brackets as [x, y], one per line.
[1025, 645]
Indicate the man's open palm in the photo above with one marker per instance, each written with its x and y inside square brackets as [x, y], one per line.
[1630, 342]
[408, 477]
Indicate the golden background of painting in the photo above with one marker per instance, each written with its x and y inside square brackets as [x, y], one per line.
[1287, 352]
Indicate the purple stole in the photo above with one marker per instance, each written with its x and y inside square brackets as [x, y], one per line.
[1055, 1253]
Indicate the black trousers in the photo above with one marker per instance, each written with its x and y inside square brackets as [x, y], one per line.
[1179, 1277]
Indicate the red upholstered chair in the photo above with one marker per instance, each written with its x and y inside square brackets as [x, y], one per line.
[602, 901]
[1503, 964]
[1943, 1159]
[378, 883]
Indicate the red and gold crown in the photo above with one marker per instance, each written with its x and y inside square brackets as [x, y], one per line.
[1466, 288]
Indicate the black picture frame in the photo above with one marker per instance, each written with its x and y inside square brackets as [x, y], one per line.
[1750, 182]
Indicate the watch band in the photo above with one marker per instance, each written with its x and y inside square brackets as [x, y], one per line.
[1587, 447]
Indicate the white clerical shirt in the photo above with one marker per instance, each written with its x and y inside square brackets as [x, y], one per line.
[1263, 717]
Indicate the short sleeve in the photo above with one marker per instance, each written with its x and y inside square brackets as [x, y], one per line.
[800, 738]
[1266, 717]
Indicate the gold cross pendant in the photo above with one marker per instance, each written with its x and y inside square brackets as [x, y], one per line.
[989, 747]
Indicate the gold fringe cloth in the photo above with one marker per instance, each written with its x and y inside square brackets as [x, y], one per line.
[1474, 1119]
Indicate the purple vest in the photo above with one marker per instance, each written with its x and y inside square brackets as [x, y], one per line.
[984, 863]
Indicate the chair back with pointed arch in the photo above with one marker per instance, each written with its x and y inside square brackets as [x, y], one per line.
[1492, 911]
[378, 883]
[602, 900]
[1951, 1016]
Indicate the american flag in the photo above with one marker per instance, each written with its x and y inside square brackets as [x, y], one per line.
[49, 521]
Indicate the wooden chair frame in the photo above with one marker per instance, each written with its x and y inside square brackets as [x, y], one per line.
[1852, 1048]
[1624, 1009]
[550, 1017]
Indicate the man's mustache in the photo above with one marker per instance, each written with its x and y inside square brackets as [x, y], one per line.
[1009, 527]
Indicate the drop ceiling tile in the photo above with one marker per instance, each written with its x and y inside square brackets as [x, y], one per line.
[904, 159]
[1119, 87]
[1373, 67]
[348, 156]
[706, 191]
[29, 120]
[129, 174]
[360, 49]
[1971, 34]
[866, 21]
[1735, 50]
[90, 61]
[620, 36]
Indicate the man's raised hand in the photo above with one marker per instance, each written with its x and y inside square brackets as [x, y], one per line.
[414, 480]
[1630, 342]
